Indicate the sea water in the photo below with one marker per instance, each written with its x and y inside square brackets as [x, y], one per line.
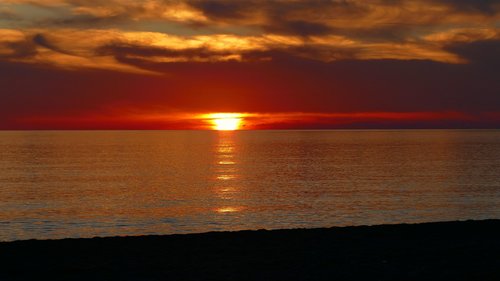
[59, 184]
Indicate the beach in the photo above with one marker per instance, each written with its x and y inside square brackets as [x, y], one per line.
[466, 250]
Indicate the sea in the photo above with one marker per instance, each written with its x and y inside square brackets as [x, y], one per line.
[70, 184]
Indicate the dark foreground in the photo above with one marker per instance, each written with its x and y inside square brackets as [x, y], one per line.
[445, 251]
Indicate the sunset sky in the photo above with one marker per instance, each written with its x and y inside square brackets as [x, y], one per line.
[159, 64]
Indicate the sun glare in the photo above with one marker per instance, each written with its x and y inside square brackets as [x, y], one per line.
[226, 121]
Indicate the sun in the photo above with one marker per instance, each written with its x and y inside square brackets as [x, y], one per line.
[227, 124]
[226, 121]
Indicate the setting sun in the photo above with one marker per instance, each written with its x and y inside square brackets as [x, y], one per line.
[226, 121]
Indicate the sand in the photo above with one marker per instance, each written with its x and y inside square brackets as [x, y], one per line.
[468, 250]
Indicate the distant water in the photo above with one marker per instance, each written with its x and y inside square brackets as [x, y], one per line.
[108, 183]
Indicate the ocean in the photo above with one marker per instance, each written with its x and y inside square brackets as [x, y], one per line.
[68, 184]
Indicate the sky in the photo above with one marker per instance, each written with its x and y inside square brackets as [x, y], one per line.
[284, 64]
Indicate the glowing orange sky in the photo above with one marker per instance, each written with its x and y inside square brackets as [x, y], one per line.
[158, 64]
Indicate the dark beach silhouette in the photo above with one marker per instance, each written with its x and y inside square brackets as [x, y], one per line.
[468, 250]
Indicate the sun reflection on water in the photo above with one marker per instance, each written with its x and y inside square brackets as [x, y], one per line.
[228, 209]
[226, 172]
[226, 177]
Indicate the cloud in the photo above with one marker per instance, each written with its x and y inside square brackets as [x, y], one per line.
[479, 52]
[318, 30]
[299, 27]
[463, 35]
[377, 20]
[61, 51]
[118, 50]
[7, 14]
[14, 44]
[487, 7]
[41, 40]
[130, 53]
[224, 10]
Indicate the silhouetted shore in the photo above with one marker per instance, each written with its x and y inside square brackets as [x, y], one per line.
[467, 250]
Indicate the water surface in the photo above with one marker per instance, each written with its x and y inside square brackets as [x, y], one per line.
[56, 184]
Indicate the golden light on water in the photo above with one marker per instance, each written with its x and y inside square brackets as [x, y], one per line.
[226, 168]
[228, 209]
[226, 121]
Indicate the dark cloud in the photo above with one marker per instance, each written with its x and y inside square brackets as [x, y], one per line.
[302, 28]
[278, 16]
[140, 56]
[41, 40]
[131, 54]
[122, 50]
[381, 33]
[394, 22]
[488, 7]
[225, 9]
[18, 49]
[310, 52]
[27, 47]
[113, 14]
[485, 52]
[8, 15]
[90, 20]
[382, 20]
[281, 17]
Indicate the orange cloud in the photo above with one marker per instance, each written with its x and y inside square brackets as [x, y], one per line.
[77, 32]
[75, 48]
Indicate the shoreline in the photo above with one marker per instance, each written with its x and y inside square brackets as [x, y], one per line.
[461, 250]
